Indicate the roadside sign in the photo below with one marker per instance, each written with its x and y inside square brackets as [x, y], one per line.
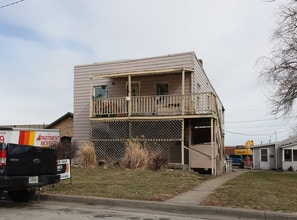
[64, 168]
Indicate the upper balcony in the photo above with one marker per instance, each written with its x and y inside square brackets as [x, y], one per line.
[151, 106]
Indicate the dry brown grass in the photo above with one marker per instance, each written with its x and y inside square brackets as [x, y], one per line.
[136, 156]
[157, 161]
[87, 155]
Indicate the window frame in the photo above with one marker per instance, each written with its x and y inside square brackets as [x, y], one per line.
[288, 159]
[102, 88]
[264, 156]
[159, 90]
[294, 154]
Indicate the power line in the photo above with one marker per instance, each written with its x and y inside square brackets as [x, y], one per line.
[263, 127]
[230, 122]
[259, 135]
[257, 120]
[231, 132]
[12, 3]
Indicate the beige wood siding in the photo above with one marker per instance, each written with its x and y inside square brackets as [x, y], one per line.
[200, 156]
[81, 119]
[201, 82]
[154, 63]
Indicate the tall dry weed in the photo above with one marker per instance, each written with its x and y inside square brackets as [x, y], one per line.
[135, 155]
[87, 155]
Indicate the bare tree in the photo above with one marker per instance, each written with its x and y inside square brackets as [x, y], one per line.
[279, 70]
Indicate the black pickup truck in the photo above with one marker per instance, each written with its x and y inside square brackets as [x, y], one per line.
[25, 168]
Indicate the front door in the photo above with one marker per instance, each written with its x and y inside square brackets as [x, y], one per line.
[135, 89]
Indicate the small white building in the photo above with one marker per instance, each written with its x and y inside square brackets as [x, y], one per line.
[264, 157]
[279, 155]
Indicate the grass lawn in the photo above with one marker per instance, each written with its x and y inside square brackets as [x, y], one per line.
[127, 184]
[263, 190]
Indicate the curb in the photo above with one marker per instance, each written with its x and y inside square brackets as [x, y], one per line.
[171, 207]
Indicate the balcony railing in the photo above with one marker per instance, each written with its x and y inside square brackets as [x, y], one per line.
[188, 104]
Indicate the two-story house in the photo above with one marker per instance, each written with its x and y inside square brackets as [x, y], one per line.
[167, 103]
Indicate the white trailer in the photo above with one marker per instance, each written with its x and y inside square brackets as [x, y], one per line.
[29, 136]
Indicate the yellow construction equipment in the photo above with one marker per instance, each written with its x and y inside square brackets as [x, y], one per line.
[245, 150]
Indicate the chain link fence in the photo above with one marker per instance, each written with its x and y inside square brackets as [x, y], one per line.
[110, 137]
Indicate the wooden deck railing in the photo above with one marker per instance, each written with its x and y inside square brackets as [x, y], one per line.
[188, 104]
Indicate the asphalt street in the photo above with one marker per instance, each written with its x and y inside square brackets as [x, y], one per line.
[68, 211]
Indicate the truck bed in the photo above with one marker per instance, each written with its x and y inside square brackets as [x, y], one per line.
[29, 160]
[24, 166]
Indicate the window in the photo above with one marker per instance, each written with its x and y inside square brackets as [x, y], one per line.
[162, 89]
[99, 92]
[264, 155]
[294, 155]
[288, 155]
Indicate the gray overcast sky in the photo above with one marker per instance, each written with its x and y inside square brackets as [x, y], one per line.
[42, 41]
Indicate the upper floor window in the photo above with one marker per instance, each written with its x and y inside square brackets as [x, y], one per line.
[99, 92]
[162, 89]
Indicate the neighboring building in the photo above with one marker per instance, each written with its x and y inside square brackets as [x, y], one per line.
[167, 103]
[280, 155]
[65, 125]
[229, 150]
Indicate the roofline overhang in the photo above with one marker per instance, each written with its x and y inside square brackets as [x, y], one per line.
[138, 73]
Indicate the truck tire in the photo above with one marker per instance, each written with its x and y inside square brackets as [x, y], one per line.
[23, 195]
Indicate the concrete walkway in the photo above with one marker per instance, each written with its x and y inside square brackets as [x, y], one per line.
[198, 194]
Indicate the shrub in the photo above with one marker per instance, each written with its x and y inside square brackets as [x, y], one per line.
[87, 155]
[66, 149]
[157, 161]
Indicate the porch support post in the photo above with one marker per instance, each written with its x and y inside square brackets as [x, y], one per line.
[212, 147]
[190, 142]
[129, 96]
[215, 147]
[183, 143]
[183, 91]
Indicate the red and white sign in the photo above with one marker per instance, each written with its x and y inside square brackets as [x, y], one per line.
[64, 165]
